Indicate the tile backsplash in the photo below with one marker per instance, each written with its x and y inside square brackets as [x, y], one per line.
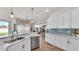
[67, 31]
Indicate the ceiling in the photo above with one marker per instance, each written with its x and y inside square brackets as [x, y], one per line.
[40, 14]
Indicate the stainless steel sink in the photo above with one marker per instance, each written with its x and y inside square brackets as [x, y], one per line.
[19, 38]
[13, 40]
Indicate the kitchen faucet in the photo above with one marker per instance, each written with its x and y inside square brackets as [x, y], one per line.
[14, 32]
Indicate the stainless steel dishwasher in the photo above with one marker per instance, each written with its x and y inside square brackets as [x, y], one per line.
[35, 42]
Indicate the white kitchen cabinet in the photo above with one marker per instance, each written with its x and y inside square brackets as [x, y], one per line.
[67, 19]
[55, 22]
[75, 18]
[16, 47]
[72, 45]
[65, 43]
[27, 43]
[49, 40]
[59, 41]
[46, 37]
[55, 41]
[60, 21]
[24, 45]
[52, 41]
[47, 26]
[50, 22]
[77, 44]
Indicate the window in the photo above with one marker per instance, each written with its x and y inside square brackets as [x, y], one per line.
[4, 28]
[23, 28]
[20, 29]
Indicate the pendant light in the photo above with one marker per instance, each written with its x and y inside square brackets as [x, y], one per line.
[11, 14]
[32, 15]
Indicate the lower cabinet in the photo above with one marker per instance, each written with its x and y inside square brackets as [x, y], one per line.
[58, 41]
[72, 45]
[47, 38]
[27, 43]
[24, 45]
[65, 43]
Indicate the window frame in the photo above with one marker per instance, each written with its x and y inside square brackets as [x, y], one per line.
[9, 29]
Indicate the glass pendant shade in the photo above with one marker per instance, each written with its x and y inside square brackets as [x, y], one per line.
[11, 14]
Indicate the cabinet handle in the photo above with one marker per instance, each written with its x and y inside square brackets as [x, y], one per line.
[31, 37]
[54, 39]
[23, 46]
[68, 42]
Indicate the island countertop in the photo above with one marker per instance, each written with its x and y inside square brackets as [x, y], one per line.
[4, 46]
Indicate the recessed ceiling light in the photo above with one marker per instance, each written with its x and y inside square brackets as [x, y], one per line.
[47, 10]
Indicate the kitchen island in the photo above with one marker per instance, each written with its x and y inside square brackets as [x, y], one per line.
[19, 45]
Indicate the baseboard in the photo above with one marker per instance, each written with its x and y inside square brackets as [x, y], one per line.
[56, 47]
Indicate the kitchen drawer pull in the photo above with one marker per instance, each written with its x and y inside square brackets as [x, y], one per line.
[54, 39]
[68, 42]
[23, 46]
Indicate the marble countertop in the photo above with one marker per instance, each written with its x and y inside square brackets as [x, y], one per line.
[3, 45]
[65, 36]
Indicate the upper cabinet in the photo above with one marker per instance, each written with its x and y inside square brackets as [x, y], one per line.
[50, 22]
[67, 20]
[60, 21]
[75, 18]
[55, 22]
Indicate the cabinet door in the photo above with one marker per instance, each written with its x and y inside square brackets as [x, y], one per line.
[27, 44]
[21, 46]
[46, 37]
[17, 47]
[75, 18]
[71, 45]
[59, 41]
[50, 39]
[50, 22]
[55, 22]
[67, 20]
[47, 24]
[53, 39]
[64, 43]
[60, 21]
[56, 43]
